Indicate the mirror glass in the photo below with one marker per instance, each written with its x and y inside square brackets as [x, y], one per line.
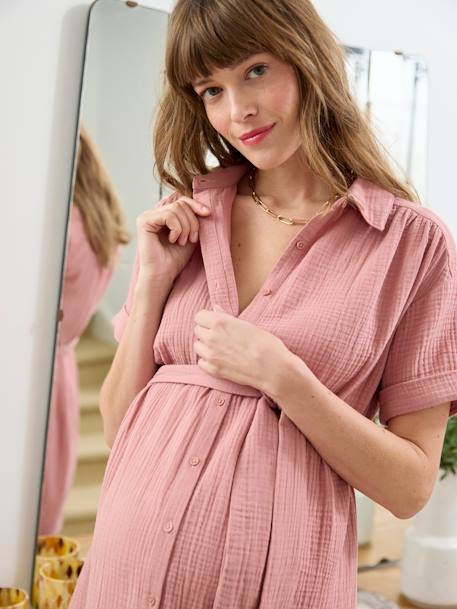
[113, 182]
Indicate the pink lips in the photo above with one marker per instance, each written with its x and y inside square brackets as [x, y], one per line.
[253, 137]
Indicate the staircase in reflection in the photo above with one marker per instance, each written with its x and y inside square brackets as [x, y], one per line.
[94, 358]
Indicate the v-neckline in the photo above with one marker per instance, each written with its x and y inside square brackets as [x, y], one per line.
[223, 236]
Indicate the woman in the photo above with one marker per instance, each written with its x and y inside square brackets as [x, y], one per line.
[231, 476]
[97, 230]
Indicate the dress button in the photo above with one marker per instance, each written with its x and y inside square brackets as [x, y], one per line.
[168, 526]
[151, 601]
[300, 245]
[267, 291]
[220, 401]
[194, 460]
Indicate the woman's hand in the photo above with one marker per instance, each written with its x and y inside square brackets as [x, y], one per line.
[234, 349]
[167, 235]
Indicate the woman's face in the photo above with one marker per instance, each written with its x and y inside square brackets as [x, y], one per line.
[259, 92]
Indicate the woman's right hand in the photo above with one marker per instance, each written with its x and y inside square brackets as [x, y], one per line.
[168, 234]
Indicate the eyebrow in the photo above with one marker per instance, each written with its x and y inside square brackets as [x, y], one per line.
[203, 81]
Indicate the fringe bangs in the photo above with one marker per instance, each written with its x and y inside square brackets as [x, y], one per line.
[208, 39]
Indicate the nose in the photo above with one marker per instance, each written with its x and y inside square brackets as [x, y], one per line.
[242, 105]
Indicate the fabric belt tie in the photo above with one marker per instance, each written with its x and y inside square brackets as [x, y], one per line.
[193, 374]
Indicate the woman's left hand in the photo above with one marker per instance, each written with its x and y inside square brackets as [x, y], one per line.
[237, 350]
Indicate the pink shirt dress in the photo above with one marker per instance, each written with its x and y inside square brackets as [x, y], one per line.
[212, 498]
[85, 282]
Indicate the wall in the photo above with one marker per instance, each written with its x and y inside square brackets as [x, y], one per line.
[41, 46]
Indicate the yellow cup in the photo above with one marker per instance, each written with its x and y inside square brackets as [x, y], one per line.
[51, 548]
[14, 598]
[57, 582]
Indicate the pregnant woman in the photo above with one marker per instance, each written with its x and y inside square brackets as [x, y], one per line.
[276, 304]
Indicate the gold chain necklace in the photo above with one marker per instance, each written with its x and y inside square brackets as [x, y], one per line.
[281, 218]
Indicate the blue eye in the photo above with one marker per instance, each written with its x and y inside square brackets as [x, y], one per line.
[257, 67]
[208, 89]
[261, 66]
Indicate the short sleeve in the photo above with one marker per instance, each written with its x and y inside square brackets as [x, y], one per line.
[119, 321]
[421, 366]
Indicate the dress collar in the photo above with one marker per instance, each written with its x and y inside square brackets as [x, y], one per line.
[373, 202]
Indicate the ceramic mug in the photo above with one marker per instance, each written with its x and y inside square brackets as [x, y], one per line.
[57, 582]
[14, 598]
[51, 548]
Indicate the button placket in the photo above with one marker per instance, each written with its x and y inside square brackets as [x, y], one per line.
[276, 280]
[184, 485]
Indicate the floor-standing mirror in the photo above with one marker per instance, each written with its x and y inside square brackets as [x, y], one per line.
[113, 182]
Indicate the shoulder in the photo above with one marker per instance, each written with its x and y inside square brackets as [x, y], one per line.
[424, 224]
[77, 228]
[421, 212]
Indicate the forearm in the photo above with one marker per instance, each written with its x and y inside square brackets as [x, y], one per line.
[133, 363]
[383, 466]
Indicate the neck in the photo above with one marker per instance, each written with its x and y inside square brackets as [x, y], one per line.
[291, 187]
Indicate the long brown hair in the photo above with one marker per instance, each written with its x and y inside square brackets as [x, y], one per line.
[96, 198]
[338, 141]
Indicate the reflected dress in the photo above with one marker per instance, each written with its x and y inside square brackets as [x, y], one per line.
[212, 498]
[85, 282]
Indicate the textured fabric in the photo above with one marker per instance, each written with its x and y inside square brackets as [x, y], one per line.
[85, 282]
[212, 497]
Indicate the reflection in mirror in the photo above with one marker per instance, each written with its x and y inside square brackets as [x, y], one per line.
[113, 184]
[96, 233]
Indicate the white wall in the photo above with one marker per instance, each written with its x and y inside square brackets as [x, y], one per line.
[41, 46]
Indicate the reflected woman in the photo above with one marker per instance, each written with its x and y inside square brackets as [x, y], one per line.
[313, 291]
[97, 229]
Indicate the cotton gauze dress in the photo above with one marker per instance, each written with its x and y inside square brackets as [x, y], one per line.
[85, 281]
[212, 498]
